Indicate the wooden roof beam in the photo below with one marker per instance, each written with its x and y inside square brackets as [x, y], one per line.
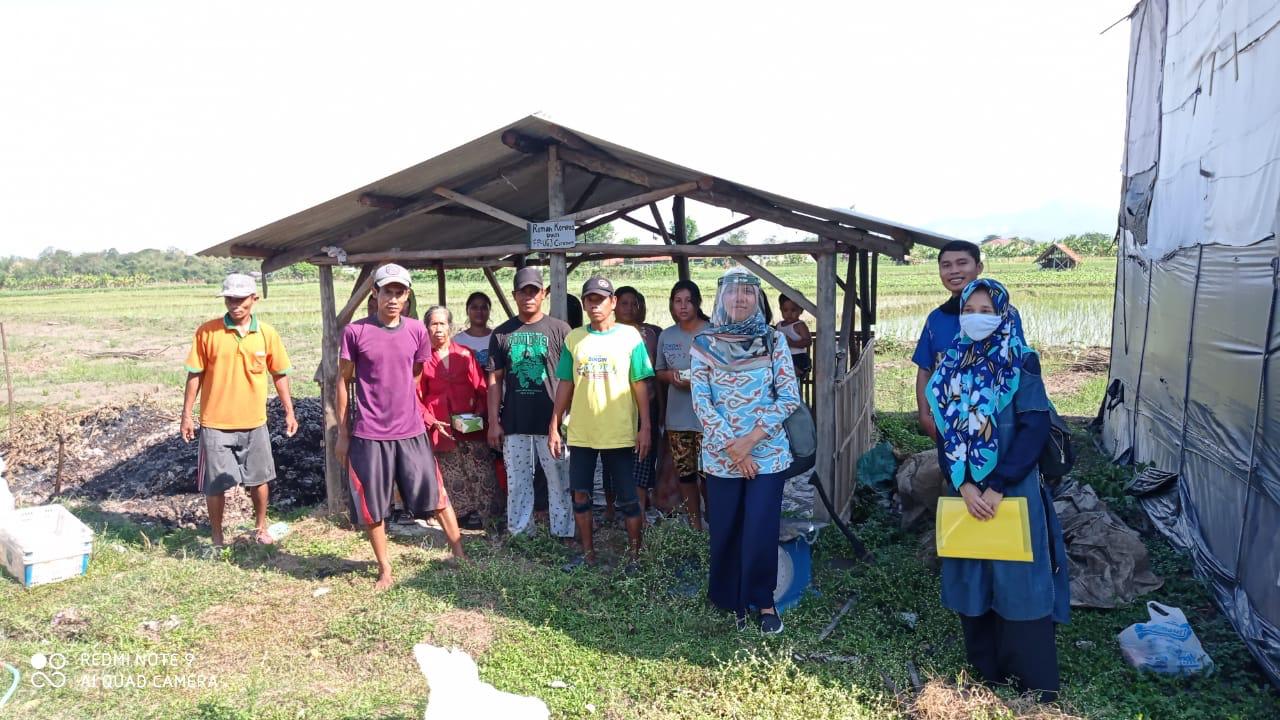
[497, 290]
[587, 193]
[792, 294]
[640, 200]
[312, 244]
[493, 252]
[661, 225]
[589, 226]
[250, 252]
[641, 224]
[604, 166]
[483, 207]
[787, 218]
[383, 202]
[792, 248]
[717, 233]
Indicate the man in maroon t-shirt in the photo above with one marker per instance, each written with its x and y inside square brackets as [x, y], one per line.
[387, 443]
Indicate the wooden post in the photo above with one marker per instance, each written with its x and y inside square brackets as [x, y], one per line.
[864, 282]
[824, 372]
[442, 294]
[555, 209]
[681, 235]
[8, 379]
[335, 476]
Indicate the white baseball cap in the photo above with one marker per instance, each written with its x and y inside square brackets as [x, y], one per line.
[392, 273]
[238, 285]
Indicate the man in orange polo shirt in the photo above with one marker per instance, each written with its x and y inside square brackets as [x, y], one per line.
[228, 365]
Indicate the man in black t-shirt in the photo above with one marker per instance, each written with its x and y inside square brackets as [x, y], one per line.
[523, 353]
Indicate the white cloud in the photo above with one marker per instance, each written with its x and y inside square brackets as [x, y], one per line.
[149, 124]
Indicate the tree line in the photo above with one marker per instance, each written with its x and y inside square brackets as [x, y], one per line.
[111, 268]
[1093, 244]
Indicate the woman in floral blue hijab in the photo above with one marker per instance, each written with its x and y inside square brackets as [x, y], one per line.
[992, 414]
[976, 379]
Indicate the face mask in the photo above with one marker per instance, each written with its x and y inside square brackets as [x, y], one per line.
[978, 326]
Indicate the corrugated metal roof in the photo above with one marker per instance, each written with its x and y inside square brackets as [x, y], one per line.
[489, 170]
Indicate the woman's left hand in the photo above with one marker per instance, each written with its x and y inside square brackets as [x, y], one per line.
[992, 499]
[739, 449]
[747, 468]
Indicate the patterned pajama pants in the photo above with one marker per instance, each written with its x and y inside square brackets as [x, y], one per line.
[519, 452]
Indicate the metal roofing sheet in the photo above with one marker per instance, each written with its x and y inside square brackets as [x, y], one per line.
[489, 170]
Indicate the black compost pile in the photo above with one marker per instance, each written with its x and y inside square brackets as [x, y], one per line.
[132, 460]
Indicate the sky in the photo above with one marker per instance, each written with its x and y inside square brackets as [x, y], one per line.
[183, 124]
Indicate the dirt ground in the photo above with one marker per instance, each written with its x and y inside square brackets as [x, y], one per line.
[131, 459]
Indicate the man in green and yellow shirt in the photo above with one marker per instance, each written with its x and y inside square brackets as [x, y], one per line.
[602, 370]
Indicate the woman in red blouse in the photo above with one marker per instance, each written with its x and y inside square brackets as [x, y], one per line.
[453, 384]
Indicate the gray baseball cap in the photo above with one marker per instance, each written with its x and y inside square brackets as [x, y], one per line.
[238, 285]
[392, 273]
[526, 276]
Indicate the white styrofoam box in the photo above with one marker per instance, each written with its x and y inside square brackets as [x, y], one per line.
[44, 544]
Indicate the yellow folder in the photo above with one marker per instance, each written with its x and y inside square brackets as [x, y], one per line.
[1007, 536]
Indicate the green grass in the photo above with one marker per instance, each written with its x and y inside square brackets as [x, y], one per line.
[629, 647]
[625, 647]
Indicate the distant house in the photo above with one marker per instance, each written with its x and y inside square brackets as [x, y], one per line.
[614, 262]
[997, 242]
[1058, 257]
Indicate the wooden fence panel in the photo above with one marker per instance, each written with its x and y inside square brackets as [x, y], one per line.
[854, 395]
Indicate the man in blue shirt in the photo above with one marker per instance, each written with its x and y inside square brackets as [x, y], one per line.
[959, 263]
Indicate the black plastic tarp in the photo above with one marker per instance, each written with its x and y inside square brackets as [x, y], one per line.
[1195, 379]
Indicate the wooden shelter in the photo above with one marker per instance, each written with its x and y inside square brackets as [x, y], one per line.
[472, 206]
[1058, 257]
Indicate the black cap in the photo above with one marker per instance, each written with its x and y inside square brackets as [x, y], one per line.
[526, 276]
[597, 285]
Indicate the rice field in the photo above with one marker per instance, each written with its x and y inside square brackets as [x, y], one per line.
[78, 346]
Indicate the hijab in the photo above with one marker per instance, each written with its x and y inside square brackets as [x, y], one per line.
[735, 344]
[975, 380]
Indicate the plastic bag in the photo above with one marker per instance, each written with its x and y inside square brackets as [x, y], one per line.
[1165, 645]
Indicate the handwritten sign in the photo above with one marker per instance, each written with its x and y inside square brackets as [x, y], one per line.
[552, 235]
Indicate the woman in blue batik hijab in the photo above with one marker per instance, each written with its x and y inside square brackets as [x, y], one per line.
[743, 387]
[992, 414]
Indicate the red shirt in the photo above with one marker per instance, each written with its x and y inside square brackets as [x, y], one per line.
[451, 390]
